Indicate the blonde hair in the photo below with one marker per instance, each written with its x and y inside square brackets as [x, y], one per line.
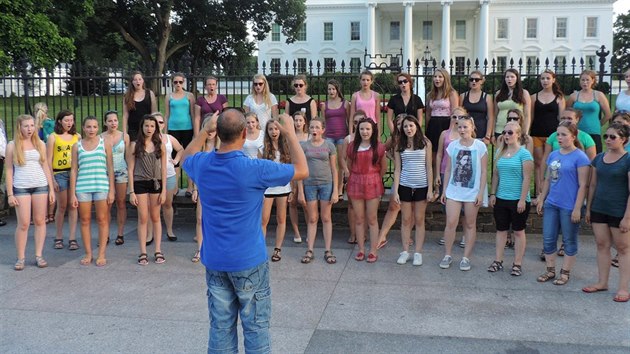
[265, 92]
[444, 91]
[210, 125]
[41, 112]
[502, 145]
[18, 151]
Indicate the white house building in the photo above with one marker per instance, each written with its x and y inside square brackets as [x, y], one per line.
[457, 30]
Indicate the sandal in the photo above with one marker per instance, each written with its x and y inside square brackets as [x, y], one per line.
[517, 270]
[172, 238]
[19, 265]
[615, 261]
[58, 244]
[495, 266]
[329, 257]
[308, 257]
[352, 241]
[73, 245]
[87, 260]
[548, 275]
[142, 259]
[561, 251]
[41, 262]
[275, 257]
[563, 280]
[195, 258]
[120, 239]
[510, 242]
[159, 258]
[101, 262]
[50, 218]
[360, 256]
[297, 239]
[372, 258]
[381, 244]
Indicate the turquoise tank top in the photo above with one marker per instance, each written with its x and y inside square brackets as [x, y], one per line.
[179, 118]
[590, 115]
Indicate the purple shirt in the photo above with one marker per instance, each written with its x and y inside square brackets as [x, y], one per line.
[206, 107]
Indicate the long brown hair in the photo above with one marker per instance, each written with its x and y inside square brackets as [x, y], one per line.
[444, 91]
[517, 93]
[574, 131]
[357, 141]
[419, 141]
[269, 151]
[131, 90]
[156, 139]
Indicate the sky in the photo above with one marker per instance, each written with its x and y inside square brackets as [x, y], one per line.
[621, 7]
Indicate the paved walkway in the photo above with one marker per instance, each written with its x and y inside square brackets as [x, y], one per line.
[317, 308]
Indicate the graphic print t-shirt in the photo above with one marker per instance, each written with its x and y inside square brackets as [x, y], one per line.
[563, 177]
[465, 179]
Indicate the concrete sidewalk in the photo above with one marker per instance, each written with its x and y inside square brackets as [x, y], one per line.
[317, 308]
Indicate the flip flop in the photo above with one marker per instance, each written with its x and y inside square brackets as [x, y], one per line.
[621, 298]
[592, 289]
[381, 244]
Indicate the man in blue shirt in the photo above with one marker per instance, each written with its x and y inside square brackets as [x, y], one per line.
[231, 189]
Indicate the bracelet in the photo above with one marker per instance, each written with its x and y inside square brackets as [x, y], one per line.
[492, 194]
[132, 192]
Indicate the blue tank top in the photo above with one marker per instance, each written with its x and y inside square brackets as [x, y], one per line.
[590, 115]
[179, 118]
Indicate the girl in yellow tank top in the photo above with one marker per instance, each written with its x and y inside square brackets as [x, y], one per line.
[59, 153]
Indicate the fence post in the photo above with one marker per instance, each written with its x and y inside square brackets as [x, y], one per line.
[22, 66]
[602, 53]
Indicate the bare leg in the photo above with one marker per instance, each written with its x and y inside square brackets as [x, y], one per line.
[281, 220]
[359, 222]
[390, 219]
[419, 216]
[23, 211]
[520, 243]
[143, 220]
[167, 211]
[371, 215]
[470, 227]
[312, 216]
[351, 222]
[453, 208]
[102, 219]
[623, 247]
[406, 223]
[325, 213]
[603, 238]
[40, 206]
[154, 215]
[266, 214]
[121, 207]
[501, 239]
[294, 217]
[85, 213]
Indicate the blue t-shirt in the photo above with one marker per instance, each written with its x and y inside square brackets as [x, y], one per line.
[231, 189]
[563, 177]
[611, 190]
[510, 171]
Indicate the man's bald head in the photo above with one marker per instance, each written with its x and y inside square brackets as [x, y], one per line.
[230, 125]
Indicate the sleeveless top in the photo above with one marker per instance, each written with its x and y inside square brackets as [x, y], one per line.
[623, 102]
[135, 115]
[170, 167]
[447, 140]
[179, 114]
[278, 190]
[62, 153]
[92, 176]
[296, 107]
[118, 155]
[590, 115]
[504, 107]
[368, 106]
[414, 168]
[440, 108]
[545, 119]
[31, 174]
[251, 147]
[336, 126]
[479, 112]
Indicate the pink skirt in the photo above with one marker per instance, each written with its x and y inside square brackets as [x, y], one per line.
[365, 186]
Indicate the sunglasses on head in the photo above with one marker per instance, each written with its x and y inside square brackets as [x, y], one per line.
[508, 132]
[111, 112]
[259, 83]
[474, 79]
[402, 82]
[460, 117]
[160, 122]
[611, 136]
[298, 85]
[513, 119]
[178, 82]
[566, 118]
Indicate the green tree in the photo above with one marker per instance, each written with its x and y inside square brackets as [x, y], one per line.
[27, 35]
[217, 31]
[621, 40]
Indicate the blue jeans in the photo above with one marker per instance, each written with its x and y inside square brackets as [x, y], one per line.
[555, 219]
[248, 293]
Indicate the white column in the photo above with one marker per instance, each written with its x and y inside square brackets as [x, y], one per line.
[408, 42]
[482, 45]
[445, 50]
[371, 29]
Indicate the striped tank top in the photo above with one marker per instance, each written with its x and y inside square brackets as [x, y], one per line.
[62, 153]
[92, 176]
[414, 168]
[31, 174]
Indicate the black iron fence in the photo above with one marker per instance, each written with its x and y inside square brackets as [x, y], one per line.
[93, 91]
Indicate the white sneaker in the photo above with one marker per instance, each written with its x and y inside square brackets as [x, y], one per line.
[446, 262]
[417, 259]
[464, 264]
[404, 257]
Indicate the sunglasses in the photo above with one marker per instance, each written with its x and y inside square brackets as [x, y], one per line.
[111, 112]
[513, 119]
[177, 82]
[356, 122]
[474, 79]
[508, 132]
[298, 85]
[259, 83]
[612, 137]
[460, 117]
[402, 82]
[160, 122]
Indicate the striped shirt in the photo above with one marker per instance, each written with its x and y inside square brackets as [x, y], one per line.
[92, 176]
[31, 175]
[510, 171]
[414, 168]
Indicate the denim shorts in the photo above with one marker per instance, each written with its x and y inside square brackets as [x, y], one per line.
[63, 180]
[318, 192]
[30, 191]
[91, 197]
[335, 141]
[171, 183]
[121, 176]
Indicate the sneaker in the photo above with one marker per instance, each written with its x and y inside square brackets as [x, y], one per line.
[417, 259]
[462, 243]
[464, 264]
[404, 257]
[441, 241]
[446, 262]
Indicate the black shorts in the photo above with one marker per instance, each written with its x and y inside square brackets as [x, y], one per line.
[435, 128]
[597, 138]
[600, 218]
[505, 214]
[407, 194]
[277, 195]
[183, 136]
[147, 187]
